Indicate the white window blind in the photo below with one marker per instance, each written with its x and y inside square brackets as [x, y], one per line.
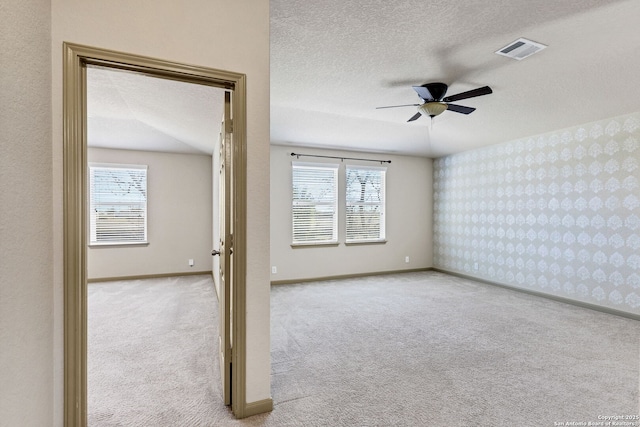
[315, 203]
[118, 204]
[365, 204]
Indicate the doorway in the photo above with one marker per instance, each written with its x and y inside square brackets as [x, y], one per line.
[77, 58]
[150, 146]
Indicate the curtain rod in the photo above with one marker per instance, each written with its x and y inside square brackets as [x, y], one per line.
[340, 158]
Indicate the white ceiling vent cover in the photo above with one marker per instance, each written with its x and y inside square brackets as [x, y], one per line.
[520, 49]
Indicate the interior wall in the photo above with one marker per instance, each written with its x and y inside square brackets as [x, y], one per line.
[219, 34]
[408, 220]
[26, 235]
[558, 213]
[179, 217]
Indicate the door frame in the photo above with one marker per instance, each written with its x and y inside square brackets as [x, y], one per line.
[76, 59]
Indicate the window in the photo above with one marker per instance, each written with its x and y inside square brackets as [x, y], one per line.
[118, 204]
[365, 204]
[315, 203]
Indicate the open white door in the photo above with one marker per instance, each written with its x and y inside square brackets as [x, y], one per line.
[225, 250]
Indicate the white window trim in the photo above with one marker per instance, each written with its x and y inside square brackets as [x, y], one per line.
[382, 234]
[91, 230]
[334, 241]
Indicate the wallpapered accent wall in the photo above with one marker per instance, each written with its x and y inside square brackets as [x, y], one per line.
[558, 213]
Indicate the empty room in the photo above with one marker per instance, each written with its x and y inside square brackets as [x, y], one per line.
[455, 218]
[151, 297]
[428, 214]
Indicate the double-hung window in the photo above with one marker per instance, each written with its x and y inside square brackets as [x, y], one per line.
[365, 204]
[118, 204]
[315, 203]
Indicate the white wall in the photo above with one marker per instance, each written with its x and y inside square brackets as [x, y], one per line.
[220, 34]
[557, 213]
[26, 235]
[179, 217]
[408, 220]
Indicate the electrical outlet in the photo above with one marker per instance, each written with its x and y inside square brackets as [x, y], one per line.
[476, 266]
[191, 263]
[274, 270]
[406, 259]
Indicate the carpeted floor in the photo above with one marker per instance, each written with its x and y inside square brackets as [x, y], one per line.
[152, 352]
[415, 349]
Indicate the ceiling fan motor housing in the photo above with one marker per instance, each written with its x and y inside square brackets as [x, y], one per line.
[437, 90]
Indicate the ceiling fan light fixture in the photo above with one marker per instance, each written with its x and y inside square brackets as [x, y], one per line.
[432, 109]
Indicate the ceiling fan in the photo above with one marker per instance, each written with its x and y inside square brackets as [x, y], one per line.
[435, 102]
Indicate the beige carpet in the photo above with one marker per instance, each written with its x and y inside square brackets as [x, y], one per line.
[152, 352]
[415, 349]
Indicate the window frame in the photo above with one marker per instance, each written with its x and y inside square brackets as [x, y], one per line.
[381, 237]
[92, 219]
[333, 168]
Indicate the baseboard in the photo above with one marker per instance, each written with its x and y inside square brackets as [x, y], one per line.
[259, 407]
[148, 276]
[595, 307]
[346, 276]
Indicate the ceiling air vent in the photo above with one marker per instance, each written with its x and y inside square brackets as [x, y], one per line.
[520, 49]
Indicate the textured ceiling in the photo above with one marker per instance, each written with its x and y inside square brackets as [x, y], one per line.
[334, 61]
[133, 111]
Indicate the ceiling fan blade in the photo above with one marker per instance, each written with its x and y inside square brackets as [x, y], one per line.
[486, 90]
[460, 109]
[423, 93]
[416, 116]
[395, 106]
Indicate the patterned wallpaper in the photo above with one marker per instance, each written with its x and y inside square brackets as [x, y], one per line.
[557, 213]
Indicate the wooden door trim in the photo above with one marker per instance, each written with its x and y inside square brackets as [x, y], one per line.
[76, 58]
